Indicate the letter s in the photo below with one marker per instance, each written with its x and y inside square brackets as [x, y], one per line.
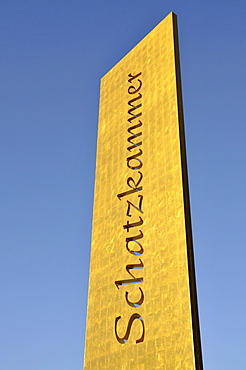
[124, 339]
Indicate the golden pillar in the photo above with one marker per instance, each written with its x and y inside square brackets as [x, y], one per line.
[142, 305]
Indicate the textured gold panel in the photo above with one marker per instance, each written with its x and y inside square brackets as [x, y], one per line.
[141, 204]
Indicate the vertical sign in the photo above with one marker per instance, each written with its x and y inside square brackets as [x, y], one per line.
[142, 305]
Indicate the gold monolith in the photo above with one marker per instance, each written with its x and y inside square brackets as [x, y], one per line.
[142, 305]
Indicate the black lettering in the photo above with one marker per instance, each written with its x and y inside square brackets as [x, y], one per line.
[138, 303]
[134, 239]
[124, 339]
[139, 208]
[134, 266]
[134, 107]
[134, 157]
[134, 136]
[132, 89]
[133, 77]
[134, 187]
[128, 281]
[128, 225]
[134, 280]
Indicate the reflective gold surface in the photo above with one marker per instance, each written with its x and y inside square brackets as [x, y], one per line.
[167, 341]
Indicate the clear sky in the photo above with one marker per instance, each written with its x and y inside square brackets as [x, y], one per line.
[53, 54]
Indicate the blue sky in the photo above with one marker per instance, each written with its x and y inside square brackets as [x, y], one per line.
[53, 54]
